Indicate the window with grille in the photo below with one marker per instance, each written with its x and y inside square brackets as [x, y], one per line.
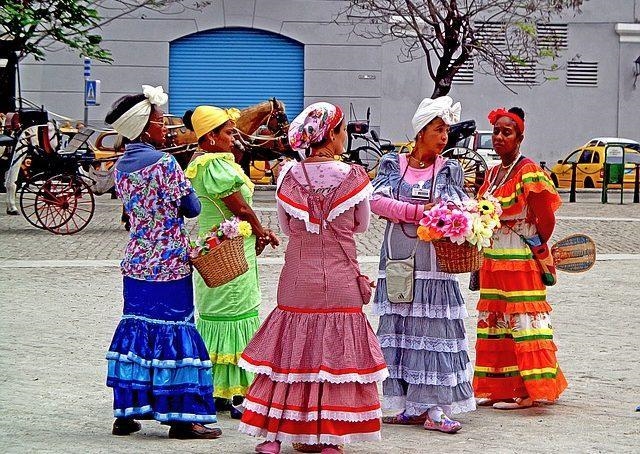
[464, 74]
[520, 74]
[582, 74]
[552, 36]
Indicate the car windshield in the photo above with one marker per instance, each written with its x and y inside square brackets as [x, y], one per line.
[633, 158]
[573, 157]
[484, 141]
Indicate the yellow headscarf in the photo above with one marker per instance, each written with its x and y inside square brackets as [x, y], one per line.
[208, 118]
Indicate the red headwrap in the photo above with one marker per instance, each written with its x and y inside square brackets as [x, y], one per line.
[494, 115]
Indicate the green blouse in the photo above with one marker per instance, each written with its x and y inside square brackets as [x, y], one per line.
[215, 176]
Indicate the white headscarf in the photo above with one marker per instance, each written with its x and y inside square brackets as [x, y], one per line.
[429, 109]
[132, 122]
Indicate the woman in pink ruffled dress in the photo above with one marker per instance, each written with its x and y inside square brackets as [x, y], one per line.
[316, 358]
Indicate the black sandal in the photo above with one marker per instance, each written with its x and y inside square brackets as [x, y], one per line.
[125, 426]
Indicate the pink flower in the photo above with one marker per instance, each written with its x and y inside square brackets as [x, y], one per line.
[436, 218]
[458, 226]
[230, 228]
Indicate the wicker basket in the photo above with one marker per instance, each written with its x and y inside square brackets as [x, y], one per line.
[223, 263]
[457, 258]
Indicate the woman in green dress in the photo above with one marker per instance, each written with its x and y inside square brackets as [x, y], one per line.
[228, 315]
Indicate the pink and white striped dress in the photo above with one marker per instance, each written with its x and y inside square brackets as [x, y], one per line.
[316, 357]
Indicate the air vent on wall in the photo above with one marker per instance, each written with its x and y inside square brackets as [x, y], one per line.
[491, 32]
[464, 74]
[582, 74]
[552, 35]
[520, 74]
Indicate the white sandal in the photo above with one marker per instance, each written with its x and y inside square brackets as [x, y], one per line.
[519, 403]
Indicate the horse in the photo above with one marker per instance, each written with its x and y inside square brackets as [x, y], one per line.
[261, 135]
[29, 156]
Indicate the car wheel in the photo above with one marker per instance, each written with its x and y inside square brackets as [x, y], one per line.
[554, 179]
[588, 183]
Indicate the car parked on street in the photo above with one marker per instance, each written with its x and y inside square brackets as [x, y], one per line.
[480, 142]
[590, 164]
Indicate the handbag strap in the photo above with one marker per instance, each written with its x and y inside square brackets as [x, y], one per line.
[397, 197]
[329, 225]
[388, 239]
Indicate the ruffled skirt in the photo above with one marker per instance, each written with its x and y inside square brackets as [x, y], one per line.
[158, 365]
[316, 377]
[226, 339]
[515, 351]
[425, 346]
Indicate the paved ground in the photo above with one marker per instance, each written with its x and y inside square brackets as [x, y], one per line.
[62, 301]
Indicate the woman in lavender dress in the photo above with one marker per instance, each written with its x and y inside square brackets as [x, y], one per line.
[424, 341]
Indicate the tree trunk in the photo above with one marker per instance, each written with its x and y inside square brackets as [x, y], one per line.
[441, 89]
[8, 77]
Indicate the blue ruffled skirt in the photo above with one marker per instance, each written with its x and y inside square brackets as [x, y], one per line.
[158, 365]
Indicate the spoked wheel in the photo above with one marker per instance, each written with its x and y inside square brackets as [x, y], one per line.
[64, 204]
[28, 192]
[370, 159]
[474, 167]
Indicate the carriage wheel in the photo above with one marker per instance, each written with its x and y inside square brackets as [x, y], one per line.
[370, 159]
[474, 167]
[28, 192]
[64, 204]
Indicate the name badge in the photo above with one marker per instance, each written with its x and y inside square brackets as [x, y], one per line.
[420, 193]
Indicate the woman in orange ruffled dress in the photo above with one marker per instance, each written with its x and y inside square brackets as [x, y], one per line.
[516, 363]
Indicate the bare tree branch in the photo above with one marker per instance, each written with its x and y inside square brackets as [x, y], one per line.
[500, 36]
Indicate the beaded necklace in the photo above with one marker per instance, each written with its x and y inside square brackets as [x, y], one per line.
[493, 186]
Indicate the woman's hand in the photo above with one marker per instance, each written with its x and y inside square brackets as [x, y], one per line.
[427, 207]
[267, 238]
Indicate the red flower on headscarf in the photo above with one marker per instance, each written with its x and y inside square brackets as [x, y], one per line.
[496, 114]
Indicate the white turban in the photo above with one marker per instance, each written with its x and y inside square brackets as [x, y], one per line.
[132, 122]
[429, 109]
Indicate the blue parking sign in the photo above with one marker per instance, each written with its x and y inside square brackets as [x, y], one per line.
[91, 92]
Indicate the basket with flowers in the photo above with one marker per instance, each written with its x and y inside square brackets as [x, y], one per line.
[219, 256]
[459, 232]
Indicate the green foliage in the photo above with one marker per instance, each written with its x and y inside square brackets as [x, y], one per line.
[35, 27]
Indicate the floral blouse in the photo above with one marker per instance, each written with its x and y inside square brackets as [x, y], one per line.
[158, 247]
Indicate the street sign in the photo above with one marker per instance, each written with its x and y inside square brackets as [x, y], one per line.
[91, 92]
[87, 67]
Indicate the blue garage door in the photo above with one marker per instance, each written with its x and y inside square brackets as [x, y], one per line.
[235, 67]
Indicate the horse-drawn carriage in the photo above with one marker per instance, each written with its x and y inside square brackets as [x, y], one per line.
[55, 184]
[47, 179]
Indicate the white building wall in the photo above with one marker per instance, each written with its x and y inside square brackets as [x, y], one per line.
[345, 69]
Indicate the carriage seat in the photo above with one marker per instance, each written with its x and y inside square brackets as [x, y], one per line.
[6, 141]
[77, 141]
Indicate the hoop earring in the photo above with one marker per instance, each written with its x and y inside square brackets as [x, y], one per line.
[212, 142]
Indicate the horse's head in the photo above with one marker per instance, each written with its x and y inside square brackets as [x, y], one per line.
[263, 130]
[278, 122]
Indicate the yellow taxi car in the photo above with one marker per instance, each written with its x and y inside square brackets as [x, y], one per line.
[590, 164]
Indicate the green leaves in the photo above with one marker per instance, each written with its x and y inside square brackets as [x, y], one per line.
[35, 27]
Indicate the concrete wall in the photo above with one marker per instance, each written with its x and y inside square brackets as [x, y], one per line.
[345, 69]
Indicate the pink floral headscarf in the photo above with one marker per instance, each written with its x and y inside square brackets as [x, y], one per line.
[313, 125]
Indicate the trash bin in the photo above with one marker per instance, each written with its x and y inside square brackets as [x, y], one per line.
[613, 170]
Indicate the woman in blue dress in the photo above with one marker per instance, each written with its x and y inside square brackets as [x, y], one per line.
[158, 365]
[423, 338]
